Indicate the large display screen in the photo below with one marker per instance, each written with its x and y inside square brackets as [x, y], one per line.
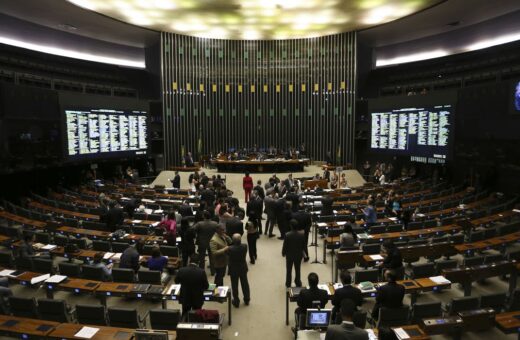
[95, 133]
[424, 133]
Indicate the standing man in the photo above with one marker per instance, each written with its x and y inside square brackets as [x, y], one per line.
[304, 220]
[254, 210]
[238, 270]
[188, 160]
[219, 245]
[194, 282]
[269, 202]
[259, 189]
[282, 216]
[130, 257]
[114, 217]
[346, 292]
[176, 181]
[390, 295]
[205, 230]
[293, 249]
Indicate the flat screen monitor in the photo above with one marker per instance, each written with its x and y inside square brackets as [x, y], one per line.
[425, 133]
[105, 133]
[318, 318]
[516, 99]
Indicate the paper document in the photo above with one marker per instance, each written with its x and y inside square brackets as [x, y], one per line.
[158, 211]
[341, 222]
[6, 272]
[40, 278]
[155, 224]
[371, 334]
[148, 211]
[49, 247]
[86, 332]
[322, 224]
[516, 210]
[173, 290]
[393, 219]
[376, 257]
[338, 286]
[401, 334]
[137, 221]
[222, 291]
[108, 255]
[440, 280]
[116, 256]
[56, 279]
[146, 200]
[325, 287]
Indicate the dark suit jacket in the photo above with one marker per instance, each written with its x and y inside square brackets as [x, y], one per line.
[260, 191]
[188, 161]
[130, 259]
[205, 231]
[294, 245]
[347, 292]
[393, 260]
[390, 295]
[237, 259]
[304, 220]
[326, 208]
[345, 332]
[26, 250]
[176, 181]
[294, 199]
[234, 226]
[185, 210]
[193, 282]
[254, 208]
[307, 296]
[114, 218]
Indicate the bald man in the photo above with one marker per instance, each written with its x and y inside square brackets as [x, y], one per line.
[238, 269]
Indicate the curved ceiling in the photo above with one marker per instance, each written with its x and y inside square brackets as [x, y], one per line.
[256, 19]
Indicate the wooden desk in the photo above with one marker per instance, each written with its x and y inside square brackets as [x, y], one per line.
[447, 325]
[185, 168]
[24, 279]
[22, 220]
[312, 183]
[508, 322]
[73, 285]
[489, 243]
[81, 232]
[428, 285]
[414, 332]
[68, 330]
[275, 165]
[478, 319]
[26, 327]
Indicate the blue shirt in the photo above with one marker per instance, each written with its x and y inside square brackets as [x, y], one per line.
[157, 263]
[370, 214]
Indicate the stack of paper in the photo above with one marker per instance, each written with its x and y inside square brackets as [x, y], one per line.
[401, 333]
[49, 247]
[136, 221]
[116, 256]
[325, 287]
[86, 332]
[40, 278]
[173, 290]
[56, 279]
[322, 224]
[108, 255]
[148, 211]
[341, 223]
[158, 211]
[222, 291]
[6, 272]
[155, 224]
[376, 257]
[394, 219]
[440, 280]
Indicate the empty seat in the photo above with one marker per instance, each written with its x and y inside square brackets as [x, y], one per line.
[164, 319]
[421, 270]
[496, 301]
[123, 275]
[371, 275]
[393, 228]
[91, 315]
[457, 238]
[425, 310]
[43, 265]
[24, 263]
[493, 258]
[514, 301]
[414, 225]
[61, 240]
[476, 236]
[80, 242]
[6, 259]
[473, 261]
[140, 230]
[462, 304]
[100, 245]
[53, 310]
[123, 317]
[514, 255]
[370, 249]
[69, 269]
[92, 273]
[119, 247]
[149, 276]
[147, 249]
[377, 229]
[390, 317]
[170, 251]
[44, 238]
[444, 264]
[23, 307]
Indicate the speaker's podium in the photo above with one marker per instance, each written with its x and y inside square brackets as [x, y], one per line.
[198, 331]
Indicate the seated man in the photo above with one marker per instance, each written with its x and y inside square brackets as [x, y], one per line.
[390, 295]
[346, 292]
[308, 298]
[347, 330]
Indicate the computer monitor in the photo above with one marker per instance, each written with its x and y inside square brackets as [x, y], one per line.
[318, 318]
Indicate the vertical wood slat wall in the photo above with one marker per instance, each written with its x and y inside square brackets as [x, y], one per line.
[238, 93]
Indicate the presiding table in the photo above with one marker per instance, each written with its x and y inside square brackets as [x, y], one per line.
[267, 165]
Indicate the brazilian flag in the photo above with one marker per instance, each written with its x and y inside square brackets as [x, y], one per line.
[338, 155]
[183, 152]
[199, 144]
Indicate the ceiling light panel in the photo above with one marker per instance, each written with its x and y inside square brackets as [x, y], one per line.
[256, 19]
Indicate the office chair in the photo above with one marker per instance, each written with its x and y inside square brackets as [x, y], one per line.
[371, 249]
[514, 301]
[91, 315]
[44, 238]
[23, 307]
[164, 318]
[149, 276]
[389, 317]
[473, 261]
[119, 247]
[493, 258]
[425, 310]
[43, 265]
[53, 310]
[100, 245]
[92, 273]
[371, 275]
[24, 263]
[69, 269]
[140, 230]
[462, 304]
[421, 270]
[123, 275]
[170, 251]
[444, 264]
[123, 317]
[6, 259]
[495, 300]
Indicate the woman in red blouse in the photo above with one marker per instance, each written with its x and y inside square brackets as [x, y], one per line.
[247, 184]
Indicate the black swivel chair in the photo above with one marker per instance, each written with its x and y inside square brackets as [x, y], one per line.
[421, 270]
[495, 300]
[6, 259]
[123, 275]
[149, 276]
[23, 307]
[123, 317]
[371, 275]
[24, 263]
[473, 261]
[91, 315]
[164, 318]
[100, 245]
[53, 310]
[170, 251]
[425, 310]
[462, 304]
[43, 266]
[444, 264]
[93, 273]
[69, 269]
[390, 317]
[119, 247]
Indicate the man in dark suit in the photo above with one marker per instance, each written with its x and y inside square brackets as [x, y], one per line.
[204, 231]
[304, 220]
[292, 250]
[234, 226]
[281, 218]
[176, 181]
[270, 202]
[326, 206]
[309, 295]
[390, 295]
[130, 257]
[208, 195]
[347, 330]
[346, 292]
[186, 210]
[293, 197]
[237, 268]
[259, 189]
[114, 217]
[193, 281]
[254, 210]
[188, 160]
